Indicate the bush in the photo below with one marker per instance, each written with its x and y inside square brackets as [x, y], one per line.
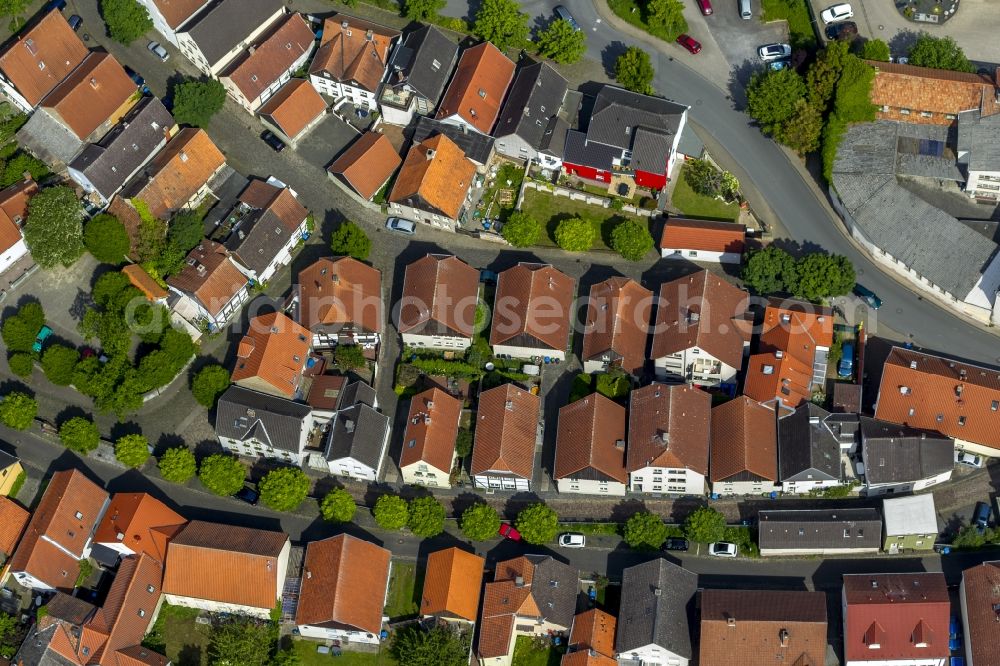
[338, 506]
[58, 364]
[351, 240]
[284, 489]
[632, 240]
[480, 522]
[209, 383]
[79, 434]
[18, 410]
[581, 387]
[969, 538]
[21, 364]
[132, 450]
[177, 464]
[537, 524]
[105, 238]
[463, 442]
[521, 229]
[19, 330]
[391, 512]
[195, 102]
[349, 357]
[426, 517]
[222, 474]
[575, 235]
[614, 385]
[645, 531]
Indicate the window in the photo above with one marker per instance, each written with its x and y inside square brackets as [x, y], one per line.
[847, 533]
[995, 405]
[961, 420]
[692, 253]
[905, 112]
[79, 516]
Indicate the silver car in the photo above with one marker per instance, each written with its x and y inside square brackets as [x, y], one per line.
[572, 540]
[158, 51]
[401, 225]
[770, 52]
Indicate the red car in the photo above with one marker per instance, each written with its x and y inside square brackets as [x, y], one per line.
[689, 42]
[507, 531]
[705, 6]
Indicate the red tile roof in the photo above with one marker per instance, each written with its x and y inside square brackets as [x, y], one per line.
[744, 441]
[478, 87]
[354, 51]
[591, 440]
[586, 658]
[618, 315]
[367, 164]
[294, 107]
[669, 426]
[341, 291]
[440, 295]
[452, 583]
[179, 171]
[937, 91]
[533, 307]
[505, 432]
[13, 519]
[436, 177]
[262, 66]
[211, 276]
[431, 429]
[176, 12]
[144, 282]
[272, 355]
[41, 56]
[680, 233]
[97, 93]
[140, 522]
[13, 211]
[594, 630]
[981, 586]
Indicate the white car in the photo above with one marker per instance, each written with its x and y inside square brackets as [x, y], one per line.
[401, 225]
[835, 13]
[158, 51]
[723, 549]
[770, 52]
[572, 540]
[968, 459]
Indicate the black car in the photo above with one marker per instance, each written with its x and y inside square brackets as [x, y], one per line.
[270, 139]
[843, 30]
[981, 516]
[75, 22]
[248, 495]
[675, 543]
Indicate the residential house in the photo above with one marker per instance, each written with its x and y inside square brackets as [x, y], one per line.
[792, 352]
[13, 519]
[292, 111]
[591, 640]
[744, 451]
[367, 164]
[145, 283]
[657, 607]
[703, 240]
[898, 459]
[257, 74]
[210, 286]
[590, 447]
[428, 454]
[702, 330]
[226, 569]
[272, 356]
[614, 336]
[762, 627]
[13, 212]
[979, 155]
[979, 597]
[135, 524]
[931, 96]
[478, 148]
[344, 585]
[38, 58]
[532, 595]
[170, 15]
[669, 430]
[911, 523]
[438, 308]
[632, 136]
[477, 89]
[896, 619]
[452, 581]
[507, 429]
[532, 311]
[809, 455]
[324, 397]
[433, 184]
[60, 533]
[352, 59]
[533, 101]
[219, 33]
[340, 301]
[254, 424]
[418, 72]
[358, 436]
[819, 532]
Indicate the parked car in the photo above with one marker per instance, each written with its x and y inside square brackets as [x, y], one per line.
[746, 12]
[968, 459]
[838, 12]
[705, 6]
[770, 52]
[723, 549]
[401, 225]
[868, 296]
[158, 51]
[507, 531]
[846, 30]
[675, 543]
[846, 366]
[40, 339]
[248, 495]
[690, 43]
[75, 22]
[57, 4]
[564, 14]
[572, 540]
[981, 516]
[269, 137]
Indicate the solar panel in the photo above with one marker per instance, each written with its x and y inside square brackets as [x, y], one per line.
[931, 147]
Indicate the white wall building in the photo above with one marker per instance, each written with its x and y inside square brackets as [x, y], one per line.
[214, 38]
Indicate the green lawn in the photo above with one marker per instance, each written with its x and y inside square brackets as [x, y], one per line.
[550, 210]
[306, 650]
[800, 28]
[405, 588]
[529, 652]
[179, 637]
[693, 204]
[634, 12]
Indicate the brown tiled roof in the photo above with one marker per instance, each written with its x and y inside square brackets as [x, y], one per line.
[682, 233]
[278, 200]
[14, 199]
[586, 658]
[176, 174]
[261, 67]
[13, 519]
[591, 439]
[533, 307]
[273, 352]
[10, 233]
[965, 396]
[214, 286]
[225, 563]
[97, 92]
[618, 322]
[324, 392]
[594, 630]
[936, 90]
[294, 107]
[343, 584]
[341, 291]
[506, 428]
[702, 310]
[176, 12]
[435, 175]
[762, 627]
[981, 607]
[140, 522]
[744, 440]
[354, 50]
[478, 87]
[142, 281]
[669, 426]
[451, 584]
[41, 56]
[440, 294]
[367, 164]
[137, 655]
[431, 429]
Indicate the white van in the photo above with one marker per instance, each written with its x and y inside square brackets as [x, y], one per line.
[745, 11]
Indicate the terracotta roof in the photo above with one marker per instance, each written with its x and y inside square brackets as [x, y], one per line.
[176, 12]
[451, 584]
[594, 630]
[936, 90]
[440, 294]
[669, 426]
[137, 655]
[41, 56]
[139, 522]
[261, 67]
[506, 429]
[210, 275]
[431, 429]
[354, 50]
[586, 658]
[435, 176]
[762, 627]
[273, 352]
[896, 612]
[294, 107]
[176, 174]
[14, 199]
[478, 87]
[278, 200]
[618, 315]
[744, 441]
[935, 393]
[325, 392]
[343, 584]
[97, 92]
[13, 519]
[591, 440]
[367, 164]
[142, 281]
[533, 307]
[981, 609]
[682, 233]
[341, 291]
[702, 310]
[225, 563]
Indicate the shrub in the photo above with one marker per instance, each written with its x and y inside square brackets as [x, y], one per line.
[351, 240]
[222, 474]
[177, 464]
[79, 434]
[284, 489]
[21, 364]
[132, 450]
[575, 235]
[521, 229]
[632, 240]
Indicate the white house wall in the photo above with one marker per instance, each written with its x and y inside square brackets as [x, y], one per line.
[676, 481]
[528, 352]
[428, 474]
[652, 655]
[704, 256]
[590, 487]
[436, 341]
[12, 254]
[743, 487]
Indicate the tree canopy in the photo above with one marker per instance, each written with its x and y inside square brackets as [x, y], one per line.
[537, 523]
[209, 383]
[874, 49]
[105, 238]
[423, 10]
[521, 229]
[222, 474]
[127, 20]
[349, 357]
[54, 227]
[195, 102]
[185, 231]
[503, 23]
[708, 180]
[575, 234]
[442, 645]
[21, 364]
[58, 364]
[426, 517]
[338, 506]
[705, 525]
[634, 71]
[132, 450]
[351, 240]
[480, 522]
[562, 43]
[771, 98]
[391, 512]
[769, 271]
[79, 434]
[284, 489]
[667, 17]
[20, 329]
[822, 276]
[645, 531]
[939, 53]
[177, 464]
[241, 642]
[18, 410]
[632, 240]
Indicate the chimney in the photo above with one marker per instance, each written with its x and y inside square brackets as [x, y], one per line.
[349, 425]
[913, 365]
[657, 592]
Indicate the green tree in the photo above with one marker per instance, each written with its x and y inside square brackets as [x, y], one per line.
[632, 240]
[241, 642]
[284, 489]
[802, 131]
[391, 512]
[423, 10]
[58, 363]
[645, 531]
[769, 271]
[349, 357]
[21, 364]
[132, 450]
[79, 434]
[13, 7]
[8, 635]
[562, 43]
[290, 657]
[222, 474]
[177, 464]
[634, 71]
[852, 101]
[195, 102]
[338, 506]
[703, 177]
[575, 234]
[823, 74]
[874, 49]
[20, 329]
[503, 23]
[185, 231]
[127, 20]
[667, 16]
[105, 238]
[463, 442]
[18, 164]
[480, 522]
[969, 538]
[18, 410]
[704, 525]
[351, 240]
[771, 98]
[521, 229]
[613, 384]
[54, 228]
[537, 524]
[939, 53]
[440, 646]
[822, 276]
[209, 383]
[426, 517]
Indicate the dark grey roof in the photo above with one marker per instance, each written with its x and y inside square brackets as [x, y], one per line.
[48, 139]
[7, 459]
[979, 138]
[898, 454]
[554, 140]
[650, 150]
[221, 27]
[616, 109]
[554, 587]
[588, 153]
[690, 143]
[819, 529]
[845, 427]
[477, 147]
[227, 187]
[243, 414]
[414, 60]
[657, 605]
[257, 239]
[358, 432]
[535, 97]
[358, 393]
[35, 649]
[807, 449]
[133, 141]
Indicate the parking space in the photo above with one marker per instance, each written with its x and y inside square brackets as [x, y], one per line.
[739, 39]
[326, 141]
[860, 19]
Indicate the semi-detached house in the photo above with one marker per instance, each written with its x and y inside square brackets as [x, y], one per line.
[532, 311]
[477, 89]
[744, 452]
[38, 58]
[259, 425]
[809, 455]
[418, 72]
[138, 523]
[530, 112]
[428, 454]
[503, 454]
[591, 640]
[220, 32]
[210, 286]
[657, 610]
[438, 307]
[339, 299]
[617, 325]
[590, 447]
[351, 60]
[433, 184]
